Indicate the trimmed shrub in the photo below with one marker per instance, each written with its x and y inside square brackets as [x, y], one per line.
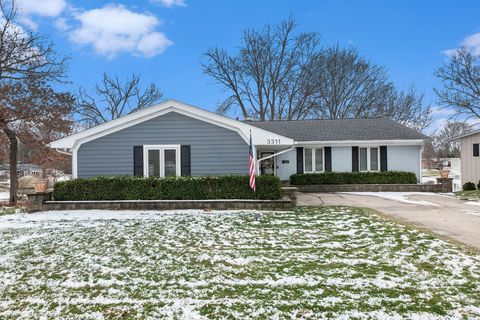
[384, 177]
[172, 188]
[468, 186]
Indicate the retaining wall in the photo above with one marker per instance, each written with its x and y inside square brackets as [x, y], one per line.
[44, 202]
[232, 204]
[443, 185]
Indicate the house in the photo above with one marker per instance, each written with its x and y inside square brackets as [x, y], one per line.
[173, 139]
[23, 169]
[469, 156]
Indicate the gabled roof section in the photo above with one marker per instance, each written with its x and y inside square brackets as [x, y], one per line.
[341, 129]
[471, 133]
[259, 136]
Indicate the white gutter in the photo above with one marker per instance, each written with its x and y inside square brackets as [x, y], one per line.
[63, 152]
[361, 142]
[274, 155]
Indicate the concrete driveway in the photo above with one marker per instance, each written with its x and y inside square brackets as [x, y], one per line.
[442, 214]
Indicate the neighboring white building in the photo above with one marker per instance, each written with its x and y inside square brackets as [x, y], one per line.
[469, 156]
[23, 169]
[173, 138]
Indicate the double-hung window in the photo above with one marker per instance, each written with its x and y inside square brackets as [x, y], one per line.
[369, 158]
[313, 159]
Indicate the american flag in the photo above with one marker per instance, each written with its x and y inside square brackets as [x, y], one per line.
[251, 165]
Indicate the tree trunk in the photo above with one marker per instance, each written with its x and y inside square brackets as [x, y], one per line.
[13, 164]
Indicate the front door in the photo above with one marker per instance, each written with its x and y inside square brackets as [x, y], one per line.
[267, 167]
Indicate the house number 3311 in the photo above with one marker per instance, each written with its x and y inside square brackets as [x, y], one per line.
[273, 141]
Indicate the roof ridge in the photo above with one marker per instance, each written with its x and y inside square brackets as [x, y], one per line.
[329, 119]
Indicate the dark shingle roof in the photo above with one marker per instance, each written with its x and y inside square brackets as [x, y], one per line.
[340, 129]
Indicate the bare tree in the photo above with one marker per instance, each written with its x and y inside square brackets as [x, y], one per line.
[406, 107]
[460, 77]
[24, 53]
[115, 99]
[266, 79]
[280, 74]
[429, 150]
[25, 57]
[441, 142]
[34, 113]
[348, 86]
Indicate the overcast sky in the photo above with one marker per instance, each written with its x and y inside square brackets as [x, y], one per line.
[162, 40]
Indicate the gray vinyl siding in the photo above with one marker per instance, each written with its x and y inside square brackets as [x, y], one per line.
[214, 150]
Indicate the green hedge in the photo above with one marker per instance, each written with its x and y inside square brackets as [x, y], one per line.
[469, 186]
[178, 188]
[385, 177]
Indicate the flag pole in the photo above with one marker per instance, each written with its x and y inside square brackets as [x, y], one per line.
[251, 165]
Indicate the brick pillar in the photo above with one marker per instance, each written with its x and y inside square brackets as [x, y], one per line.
[290, 192]
[37, 199]
[447, 184]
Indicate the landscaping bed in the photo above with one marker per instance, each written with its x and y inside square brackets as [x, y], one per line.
[330, 262]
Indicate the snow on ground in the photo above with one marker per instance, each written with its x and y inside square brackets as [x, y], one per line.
[4, 196]
[473, 203]
[341, 263]
[400, 196]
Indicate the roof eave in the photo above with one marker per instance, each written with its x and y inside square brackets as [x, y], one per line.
[363, 142]
[464, 135]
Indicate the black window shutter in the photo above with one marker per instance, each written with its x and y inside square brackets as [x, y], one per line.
[476, 151]
[138, 161]
[299, 159]
[328, 158]
[354, 159]
[185, 162]
[383, 158]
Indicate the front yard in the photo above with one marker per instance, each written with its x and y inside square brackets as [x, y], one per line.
[332, 262]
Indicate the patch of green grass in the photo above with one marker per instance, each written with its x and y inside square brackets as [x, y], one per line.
[430, 172]
[308, 263]
[7, 210]
[472, 195]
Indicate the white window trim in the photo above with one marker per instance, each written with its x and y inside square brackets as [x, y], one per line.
[161, 148]
[314, 169]
[368, 159]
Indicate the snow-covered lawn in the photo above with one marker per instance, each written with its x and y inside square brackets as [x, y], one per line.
[331, 262]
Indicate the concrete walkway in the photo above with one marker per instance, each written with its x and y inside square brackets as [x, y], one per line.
[445, 215]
